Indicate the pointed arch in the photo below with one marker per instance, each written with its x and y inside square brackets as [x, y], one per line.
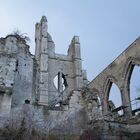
[127, 75]
[92, 95]
[107, 88]
[135, 90]
[128, 67]
[91, 92]
[96, 92]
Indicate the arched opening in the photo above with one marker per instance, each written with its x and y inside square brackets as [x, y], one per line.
[99, 103]
[61, 84]
[115, 101]
[134, 84]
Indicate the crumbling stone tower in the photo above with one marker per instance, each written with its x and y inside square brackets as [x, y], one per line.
[64, 71]
[45, 78]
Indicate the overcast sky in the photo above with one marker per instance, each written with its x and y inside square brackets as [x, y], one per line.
[105, 27]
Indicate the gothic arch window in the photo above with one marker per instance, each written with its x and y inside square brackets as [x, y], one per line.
[128, 67]
[95, 93]
[61, 84]
[113, 99]
[133, 84]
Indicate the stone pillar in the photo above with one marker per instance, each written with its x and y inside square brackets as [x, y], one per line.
[51, 46]
[60, 86]
[43, 63]
[37, 41]
[77, 65]
[104, 103]
[126, 102]
[85, 81]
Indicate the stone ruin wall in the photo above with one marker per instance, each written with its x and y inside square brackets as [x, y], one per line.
[24, 77]
[50, 65]
[27, 82]
[16, 73]
[118, 72]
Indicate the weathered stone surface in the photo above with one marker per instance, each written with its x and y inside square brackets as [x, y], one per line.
[47, 95]
[118, 72]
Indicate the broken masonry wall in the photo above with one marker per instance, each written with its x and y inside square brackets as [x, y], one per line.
[16, 73]
[23, 77]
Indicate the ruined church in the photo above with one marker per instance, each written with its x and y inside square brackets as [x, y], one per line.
[55, 91]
